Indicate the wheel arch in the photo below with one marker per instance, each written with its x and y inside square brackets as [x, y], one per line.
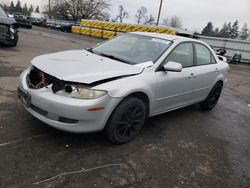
[220, 81]
[137, 94]
[142, 96]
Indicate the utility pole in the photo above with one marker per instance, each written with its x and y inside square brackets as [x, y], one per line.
[49, 10]
[159, 14]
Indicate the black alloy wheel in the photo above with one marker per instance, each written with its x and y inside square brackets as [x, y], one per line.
[126, 121]
[210, 102]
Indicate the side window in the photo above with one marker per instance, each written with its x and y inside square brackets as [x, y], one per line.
[182, 54]
[203, 55]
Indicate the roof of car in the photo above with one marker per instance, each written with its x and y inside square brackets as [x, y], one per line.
[164, 36]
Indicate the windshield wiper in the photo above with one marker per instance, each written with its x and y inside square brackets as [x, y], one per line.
[115, 58]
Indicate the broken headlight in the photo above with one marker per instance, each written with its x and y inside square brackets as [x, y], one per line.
[81, 92]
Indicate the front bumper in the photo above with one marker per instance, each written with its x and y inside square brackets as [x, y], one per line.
[67, 114]
[7, 37]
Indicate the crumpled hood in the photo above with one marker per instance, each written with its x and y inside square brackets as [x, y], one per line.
[7, 21]
[83, 67]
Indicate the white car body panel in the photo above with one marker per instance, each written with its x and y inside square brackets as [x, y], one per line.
[82, 66]
[165, 90]
[181, 91]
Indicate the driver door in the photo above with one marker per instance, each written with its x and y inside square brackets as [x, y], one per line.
[175, 89]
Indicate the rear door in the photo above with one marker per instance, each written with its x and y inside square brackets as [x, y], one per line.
[205, 70]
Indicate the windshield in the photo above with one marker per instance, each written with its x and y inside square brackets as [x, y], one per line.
[133, 48]
[2, 13]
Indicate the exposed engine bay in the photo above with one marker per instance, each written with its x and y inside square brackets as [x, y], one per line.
[38, 79]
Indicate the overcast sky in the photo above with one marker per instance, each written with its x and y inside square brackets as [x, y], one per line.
[195, 14]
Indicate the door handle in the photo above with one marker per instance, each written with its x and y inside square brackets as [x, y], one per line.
[192, 76]
[216, 70]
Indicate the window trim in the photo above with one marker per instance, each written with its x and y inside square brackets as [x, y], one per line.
[160, 67]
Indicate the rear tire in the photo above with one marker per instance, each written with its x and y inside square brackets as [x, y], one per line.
[210, 102]
[126, 121]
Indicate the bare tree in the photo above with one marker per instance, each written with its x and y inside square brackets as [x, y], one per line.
[141, 14]
[94, 9]
[60, 9]
[82, 9]
[175, 21]
[150, 20]
[122, 14]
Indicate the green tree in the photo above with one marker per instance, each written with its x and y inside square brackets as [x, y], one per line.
[31, 9]
[208, 30]
[5, 7]
[12, 6]
[25, 10]
[244, 33]
[37, 9]
[234, 33]
[216, 32]
[225, 31]
[18, 7]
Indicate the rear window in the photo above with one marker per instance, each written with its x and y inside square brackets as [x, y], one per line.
[204, 55]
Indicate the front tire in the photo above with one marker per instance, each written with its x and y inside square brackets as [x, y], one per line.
[126, 121]
[210, 102]
[15, 41]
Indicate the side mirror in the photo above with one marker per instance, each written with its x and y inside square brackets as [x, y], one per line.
[173, 66]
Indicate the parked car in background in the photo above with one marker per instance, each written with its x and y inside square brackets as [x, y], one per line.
[117, 85]
[8, 29]
[22, 21]
[37, 21]
[66, 27]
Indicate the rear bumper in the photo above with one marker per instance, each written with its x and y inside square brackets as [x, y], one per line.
[66, 113]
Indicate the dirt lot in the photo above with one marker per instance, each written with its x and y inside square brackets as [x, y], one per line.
[184, 148]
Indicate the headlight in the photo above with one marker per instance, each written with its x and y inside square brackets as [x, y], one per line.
[12, 30]
[81, 92]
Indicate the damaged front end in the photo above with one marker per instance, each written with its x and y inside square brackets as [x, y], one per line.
[38, 79]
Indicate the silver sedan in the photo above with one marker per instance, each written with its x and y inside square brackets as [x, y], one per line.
[117, 85]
